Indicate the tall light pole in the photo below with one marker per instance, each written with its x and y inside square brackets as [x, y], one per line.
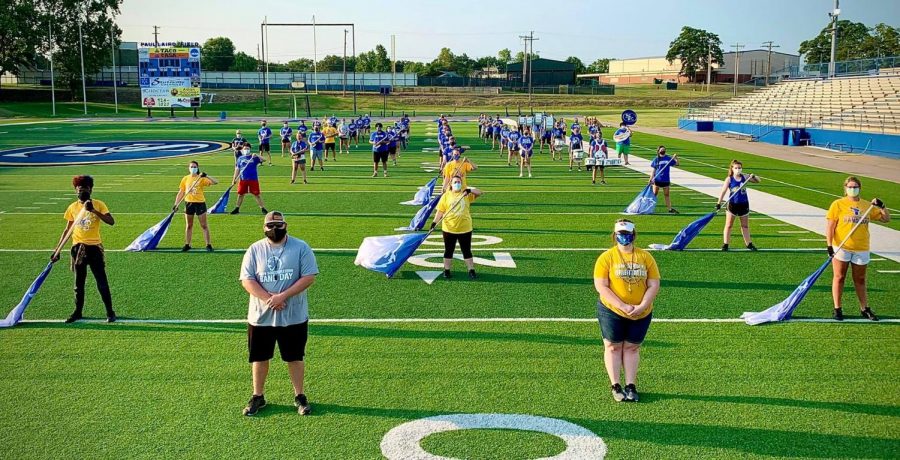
[81, 53]
[834, 27]
[344, 90]
[112, 40]
[52, 84]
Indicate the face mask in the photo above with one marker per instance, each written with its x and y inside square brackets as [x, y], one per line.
[737, 171]
[194, 170]
[246, 151]
[276, 234]
[85, 195]
[457, 186]
[625, 238]
[852, 192]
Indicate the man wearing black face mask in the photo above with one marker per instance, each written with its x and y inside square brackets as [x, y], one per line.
[276, 272]
[87, 248]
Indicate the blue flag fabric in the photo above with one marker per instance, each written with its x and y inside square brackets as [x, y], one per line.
[423, 196]
[644, 203]
[148, 240]
[418, 221]
[783, 310]
[18, 311]
[687, 234]
[386, 254]
[222, 203]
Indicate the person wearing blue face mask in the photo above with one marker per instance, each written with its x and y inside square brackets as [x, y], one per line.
[191, 189]
[627, 281]
[456, 223]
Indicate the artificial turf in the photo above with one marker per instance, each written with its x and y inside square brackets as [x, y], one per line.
[163, 390]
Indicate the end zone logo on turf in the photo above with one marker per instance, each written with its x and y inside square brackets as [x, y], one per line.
[105, 152]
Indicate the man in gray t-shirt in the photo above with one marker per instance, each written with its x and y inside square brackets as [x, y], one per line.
[276, 272]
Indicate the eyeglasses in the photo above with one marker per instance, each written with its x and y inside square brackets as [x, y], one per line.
[274, 225]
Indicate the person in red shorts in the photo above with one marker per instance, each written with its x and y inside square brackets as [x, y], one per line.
[245, 167]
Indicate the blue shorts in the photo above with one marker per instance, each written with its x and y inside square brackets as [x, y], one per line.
[618, 329]
[527, 153]
[316, 154]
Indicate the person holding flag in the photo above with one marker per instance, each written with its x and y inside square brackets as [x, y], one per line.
[246, 170]
[317, 145]
[526, 144]
[277, 272]
[457, 166]
[599, 152]
[659, 178]
[285, 134]
[379, 140]
[85, 215]
[265, 135]
[842, 216]
[738, 203]
[622, 136]
[299, 149]
[627, 281]
[191, 189]
[456, 224]
[330, 133]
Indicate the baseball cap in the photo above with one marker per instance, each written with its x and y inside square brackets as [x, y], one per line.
[274, 216]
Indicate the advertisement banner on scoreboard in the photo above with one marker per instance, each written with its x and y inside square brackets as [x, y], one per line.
[169, 75]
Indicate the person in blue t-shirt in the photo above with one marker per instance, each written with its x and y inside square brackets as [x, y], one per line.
[379, 140]
[354, 131]
[245, 169]
[576, 146]
[302, 128]
[526, 150]
[661, 165]
[393, 138]
[599, 152]
[367, 123]
[299, 150]
[317, 147]
[512, 145]
[237, 144]
[544, 135]
[504, 138]
[498, 125]
[285, 134]
[264, 135]
[738, 203]
[558, 142]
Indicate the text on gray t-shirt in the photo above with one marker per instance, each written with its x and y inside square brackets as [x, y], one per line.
[276, 268]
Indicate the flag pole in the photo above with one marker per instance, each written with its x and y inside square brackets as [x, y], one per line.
[81, 53]
[52, 83]
[846, 238]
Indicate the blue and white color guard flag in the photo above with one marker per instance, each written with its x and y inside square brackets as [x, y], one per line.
[222, 203]
[784, 309]
[686, 235]
[418, 221]
[645, 202]
[150, 239]
[423, 196]
[386, 254]
[18, 311]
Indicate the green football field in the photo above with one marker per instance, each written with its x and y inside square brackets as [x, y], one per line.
[171, 382]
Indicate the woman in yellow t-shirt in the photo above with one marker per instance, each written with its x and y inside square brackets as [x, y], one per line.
[191, 189]
[843, 214]
[456, 223]
[627, 280]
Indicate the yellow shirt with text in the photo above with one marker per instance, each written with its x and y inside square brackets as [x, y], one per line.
[87, 226]
[194, 195]
[847, 213]
[628, 275]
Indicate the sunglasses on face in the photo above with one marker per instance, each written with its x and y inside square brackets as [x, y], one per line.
[274, 225]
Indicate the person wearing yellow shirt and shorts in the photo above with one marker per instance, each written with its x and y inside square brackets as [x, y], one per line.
[842, 215]
[191, 189]
[330, 133]
[627, 280]
[457, 166]
[85, 215]
[456, 223]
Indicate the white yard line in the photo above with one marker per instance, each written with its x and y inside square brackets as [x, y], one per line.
[784, 232]
[774, 225]
[888, 271]
[452, 320]
[885, 241]
[436, 248]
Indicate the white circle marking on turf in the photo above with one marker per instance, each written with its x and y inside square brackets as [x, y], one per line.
[404, 441]
[477, 240]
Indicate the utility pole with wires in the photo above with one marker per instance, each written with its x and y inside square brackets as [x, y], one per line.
[112, 40]
[156, 36]
[81, 54]
[834, 29]
[52, 84]
[709, 66]
[770, 44]
[344, 88]
[527, 67]
[737, 62]
[393, 60]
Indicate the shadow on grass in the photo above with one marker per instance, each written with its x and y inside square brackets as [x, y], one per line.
[849, 407]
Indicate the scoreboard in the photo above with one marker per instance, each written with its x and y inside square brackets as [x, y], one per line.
[169, 75]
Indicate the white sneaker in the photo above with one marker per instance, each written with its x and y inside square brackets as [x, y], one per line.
[529, 175]
[520, 174]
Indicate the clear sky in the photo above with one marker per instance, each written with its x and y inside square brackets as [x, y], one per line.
[587, 29]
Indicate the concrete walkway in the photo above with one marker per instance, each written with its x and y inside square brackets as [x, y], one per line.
[858, 165]
[884, 241]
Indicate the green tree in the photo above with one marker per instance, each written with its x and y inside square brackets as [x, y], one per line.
[579, 66]
[852, 37]
[504, 56]
[217, 54]
[599, 66]
[520, 56]
[487, 61]
[22, 33]
[331, 63]
[243, 62]
[692, 48]
[410, 67]
[445, 60]
[300, 65]
[883, 41]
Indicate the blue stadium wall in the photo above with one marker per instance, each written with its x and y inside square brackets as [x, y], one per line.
[886, 145]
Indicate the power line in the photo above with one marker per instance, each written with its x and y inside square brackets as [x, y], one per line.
[770, 44]
[737, 60]
[156, 36]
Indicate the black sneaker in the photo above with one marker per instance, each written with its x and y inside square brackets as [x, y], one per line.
[602, 182]
[472, 275]
[725, 247]
[73, 317]
[631, 393]
[235, 210]
[752, 247]
[447, 274]
[209, 248]
[673, 211]
[838, 314]
[868, 314]
[254, 405]
[264, 210]
[617, 393]
[186, 248]
[303, 407]
[111, 318]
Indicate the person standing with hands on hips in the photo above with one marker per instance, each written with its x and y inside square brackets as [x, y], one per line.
[85, 214]
[627, 280]
[842, 216]
[277, 271]
[191, 189]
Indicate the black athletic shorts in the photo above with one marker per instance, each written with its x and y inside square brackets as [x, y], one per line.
[291, 342]
[392, 150]
[380, 156]
[661, 184]
[618, 329]
[264, 148]
[195, 209]
[329, 147]
[738, 209]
